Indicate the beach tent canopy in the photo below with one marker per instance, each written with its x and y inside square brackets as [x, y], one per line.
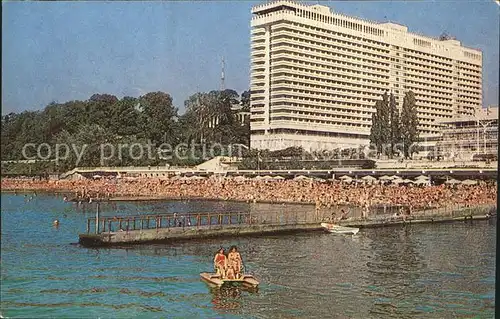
[397, 181]
[395, 177]
[346, 178]
[369, 178]
[469, 182]
[385, 178]
[422, 177]
[421, 182]
[452, 181]
[279, 177]
[301, 177]
[408, 181]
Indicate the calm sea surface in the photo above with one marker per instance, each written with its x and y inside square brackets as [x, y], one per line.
[426, 271]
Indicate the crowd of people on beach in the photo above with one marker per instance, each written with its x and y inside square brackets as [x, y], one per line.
[323, 194]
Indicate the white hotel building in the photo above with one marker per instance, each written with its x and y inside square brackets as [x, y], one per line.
[316, 74]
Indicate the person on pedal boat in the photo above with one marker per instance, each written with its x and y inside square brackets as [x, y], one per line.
[234, 261]
[220, 262]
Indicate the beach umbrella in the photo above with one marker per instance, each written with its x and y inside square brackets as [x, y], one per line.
[395, 177]
[397, 181]
[240, 178]
[421, 182]
[320, 180]
[346, 179]
[385, 178]
[422, 177]
[369, 178]
[301, 177]
[407, 181]
[279, 177]
[267, 178]
[452, 181]
[469, 182]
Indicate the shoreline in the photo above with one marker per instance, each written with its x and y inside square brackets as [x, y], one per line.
[416, 213]
[362, 198]
[134, 198]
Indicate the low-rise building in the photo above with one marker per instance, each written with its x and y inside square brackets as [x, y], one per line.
[470, 137]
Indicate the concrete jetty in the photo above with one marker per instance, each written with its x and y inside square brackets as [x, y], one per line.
[164, 228]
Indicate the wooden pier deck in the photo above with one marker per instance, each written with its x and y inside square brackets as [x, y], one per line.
[142, 229]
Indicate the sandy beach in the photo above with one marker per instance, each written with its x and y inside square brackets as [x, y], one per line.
[286, 191]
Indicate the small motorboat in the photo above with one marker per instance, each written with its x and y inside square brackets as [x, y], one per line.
[332, 228]
[216, 280]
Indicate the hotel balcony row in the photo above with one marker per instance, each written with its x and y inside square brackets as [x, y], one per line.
[332, 43]
[332, 36]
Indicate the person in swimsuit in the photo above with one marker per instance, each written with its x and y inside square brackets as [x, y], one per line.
[220, 262]
[234, 261]
[230, 272]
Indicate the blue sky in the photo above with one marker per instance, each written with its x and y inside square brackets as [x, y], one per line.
[60, 51]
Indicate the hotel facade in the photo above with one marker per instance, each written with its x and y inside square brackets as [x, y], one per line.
[316, 74]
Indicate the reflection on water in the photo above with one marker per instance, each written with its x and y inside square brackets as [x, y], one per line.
[428, 271]
[226, 297]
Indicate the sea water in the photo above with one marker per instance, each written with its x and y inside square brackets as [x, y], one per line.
[427, 271]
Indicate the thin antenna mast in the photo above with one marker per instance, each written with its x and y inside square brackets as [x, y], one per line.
[222, 77]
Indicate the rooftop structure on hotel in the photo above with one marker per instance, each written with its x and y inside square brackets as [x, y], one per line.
[316, 74]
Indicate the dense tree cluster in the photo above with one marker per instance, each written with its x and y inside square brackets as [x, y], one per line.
[148, 120]
[391, 131]
[152, 120]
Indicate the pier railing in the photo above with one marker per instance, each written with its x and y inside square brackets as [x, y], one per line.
[197, 220]
[247, 219]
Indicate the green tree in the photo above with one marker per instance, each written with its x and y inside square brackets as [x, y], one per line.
[159, 117]
[394, 125]
[100, 109]
[385, 130]
[75, 115]
[125, 119]
[87, 141]
[211, 118]
[409, 124]
[245, 101]
[377, 128]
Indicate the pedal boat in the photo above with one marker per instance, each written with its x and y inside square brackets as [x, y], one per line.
[216, 280]
[332, 228]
